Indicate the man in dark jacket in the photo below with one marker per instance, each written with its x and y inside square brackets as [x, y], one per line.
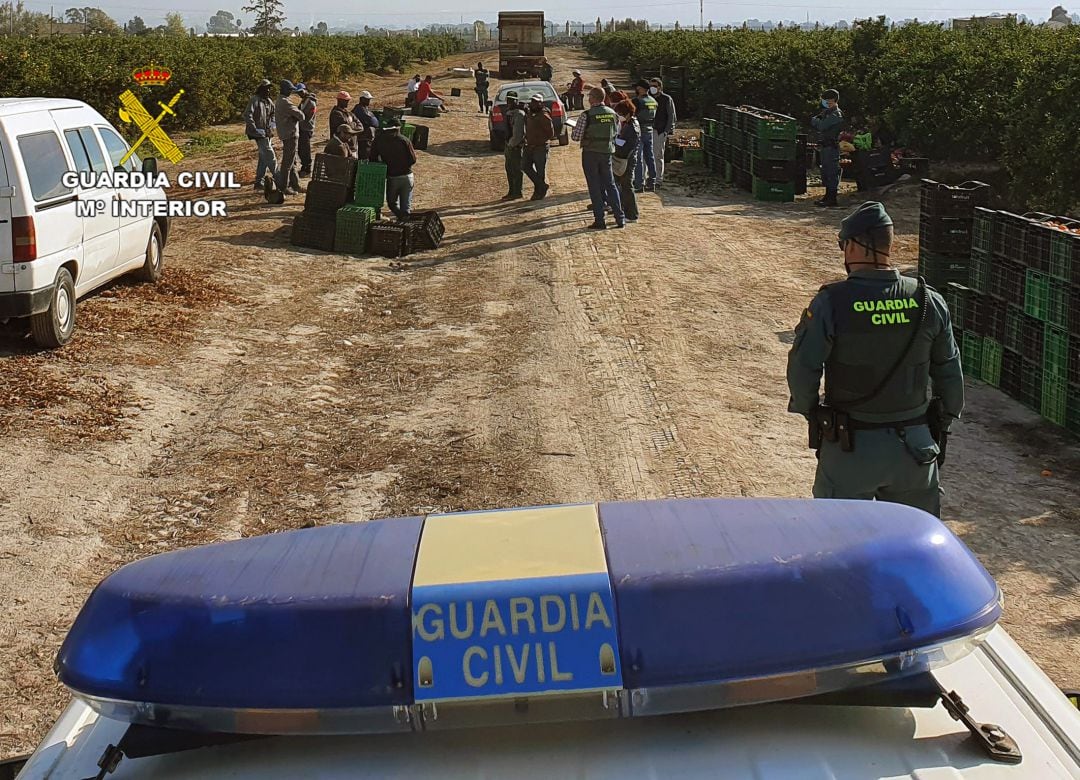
[539, 129]
[288, 118]
[546, 71]
[663, 126]
[482, 77]
[645, 106]
[514, 146]
[369, 124]
[259, 126]
[340, 143]
[828, 124]
[394, 149]
[340, 115]
[307, 129]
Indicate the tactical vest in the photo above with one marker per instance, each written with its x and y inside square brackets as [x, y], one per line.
[873, 325]
[600, 130]
[646, 110]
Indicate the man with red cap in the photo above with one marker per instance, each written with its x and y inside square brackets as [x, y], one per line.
[340, 115]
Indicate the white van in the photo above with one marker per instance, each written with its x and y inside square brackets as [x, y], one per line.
[50, 255]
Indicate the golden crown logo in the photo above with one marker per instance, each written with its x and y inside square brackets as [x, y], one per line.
[151, 77]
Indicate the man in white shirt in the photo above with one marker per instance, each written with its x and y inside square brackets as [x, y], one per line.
[410, 97]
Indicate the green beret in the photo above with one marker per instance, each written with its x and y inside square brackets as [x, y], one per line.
[867, 217]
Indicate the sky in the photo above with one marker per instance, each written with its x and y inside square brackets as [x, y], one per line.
[380, 13]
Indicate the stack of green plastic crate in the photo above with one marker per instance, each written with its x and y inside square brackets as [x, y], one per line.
[351, 228]
[370, 189]
[758, 151]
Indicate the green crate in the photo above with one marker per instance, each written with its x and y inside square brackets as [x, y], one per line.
[1056, 352]
[1057, 303]
[785, 130]
[772, 149]
[971, 354]
[979, 271]
[982, 230]
[737, 139]
[708, 127]
[1055, 395]
[956, 296]
[990, 364]
[407, 131]
[729, 172]
[692, 156]
[350, 234]
[773, 191]
[1014, 329]
[1037, 295]
[370, 187]
[1065, 256]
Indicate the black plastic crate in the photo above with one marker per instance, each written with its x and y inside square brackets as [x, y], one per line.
[1031, 382]
[939, 270]
[1074, 360]
[774, 170]
[1038, 238]
[973, 311]
[1009, 237]
[1014, 328]
[1011, 366]
[1032, 336]
[982, 230]
[428, 230]
[420, 137]
[390, 239]
[1074, 310]
[871, 179]
[991, 317]
[945, 235]
[941, 200]
[334, 168]
[979, 271]
[326, 197]
[314, 230]
[869, 159]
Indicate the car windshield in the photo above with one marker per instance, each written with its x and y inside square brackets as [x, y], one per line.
[526, 92]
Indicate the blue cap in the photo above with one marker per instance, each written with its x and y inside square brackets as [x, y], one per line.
[300, 86]
[862, 220]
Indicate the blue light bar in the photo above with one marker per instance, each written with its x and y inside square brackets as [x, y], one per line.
[552, 613]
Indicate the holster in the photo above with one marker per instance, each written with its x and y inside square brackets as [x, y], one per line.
[828, 424]
[935, 420]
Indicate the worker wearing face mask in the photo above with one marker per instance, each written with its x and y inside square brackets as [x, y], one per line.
[828, 124]
[663, 126]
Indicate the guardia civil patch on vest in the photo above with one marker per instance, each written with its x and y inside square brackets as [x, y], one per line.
[886, 311]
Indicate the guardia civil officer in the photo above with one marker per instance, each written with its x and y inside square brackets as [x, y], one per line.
[885, 344]
[828, 123]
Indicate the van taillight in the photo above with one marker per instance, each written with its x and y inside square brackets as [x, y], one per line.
[556, 109]
[23, 239]
[496, 114]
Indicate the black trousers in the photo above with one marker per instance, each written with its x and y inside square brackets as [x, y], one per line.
[303, 151]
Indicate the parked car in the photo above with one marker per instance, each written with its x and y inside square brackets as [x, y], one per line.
[50, 254]
[497, 132]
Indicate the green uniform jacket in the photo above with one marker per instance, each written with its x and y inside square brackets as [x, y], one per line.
[933, 356]
[601, 127]
[828, 124]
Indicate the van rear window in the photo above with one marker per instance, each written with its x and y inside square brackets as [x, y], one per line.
[45, 164]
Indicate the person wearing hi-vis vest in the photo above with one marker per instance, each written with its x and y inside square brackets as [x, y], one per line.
[645, 111]
[596, 129]
[893, 382]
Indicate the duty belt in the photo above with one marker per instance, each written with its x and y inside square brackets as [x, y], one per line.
[862, 425]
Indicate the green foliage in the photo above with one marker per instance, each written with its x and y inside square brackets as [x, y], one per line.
[1010, 94]
[218, 75]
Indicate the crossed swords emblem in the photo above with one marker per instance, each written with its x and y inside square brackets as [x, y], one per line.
[134, 112]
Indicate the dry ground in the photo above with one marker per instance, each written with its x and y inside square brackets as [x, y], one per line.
[528, 361]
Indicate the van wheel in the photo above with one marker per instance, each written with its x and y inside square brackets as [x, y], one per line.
[53, 328]
[151, 270]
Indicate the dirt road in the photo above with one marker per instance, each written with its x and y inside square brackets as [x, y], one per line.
[262, 388]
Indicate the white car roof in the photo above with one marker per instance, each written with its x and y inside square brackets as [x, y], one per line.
[22, 105]
[784, 741]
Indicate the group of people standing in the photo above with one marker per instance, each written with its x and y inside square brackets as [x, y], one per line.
[355, 132]
[525, 153]
[622, 147]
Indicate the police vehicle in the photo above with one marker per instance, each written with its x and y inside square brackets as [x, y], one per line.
[711, 638]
